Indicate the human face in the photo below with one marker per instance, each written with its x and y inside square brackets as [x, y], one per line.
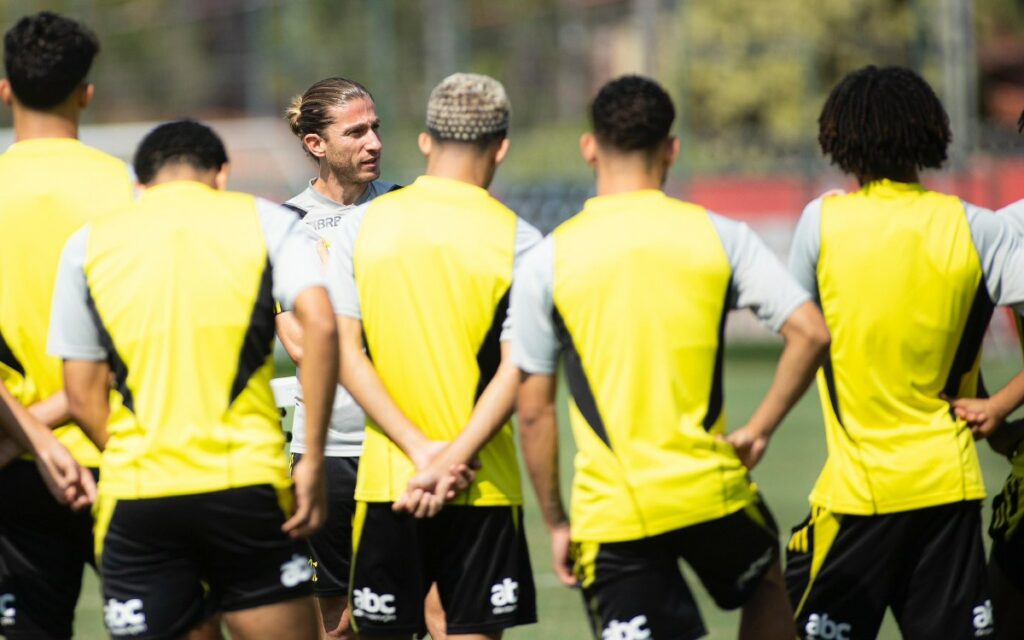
[352, 143]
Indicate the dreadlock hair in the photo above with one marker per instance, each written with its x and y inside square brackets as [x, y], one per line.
[883, 123]
[1020, 123]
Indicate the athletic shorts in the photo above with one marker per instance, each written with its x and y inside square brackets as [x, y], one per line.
[476, 555]
[1007, 532]
[331, 546]
[44, 547]
[928, 565]
[635, 589]
[168, 563]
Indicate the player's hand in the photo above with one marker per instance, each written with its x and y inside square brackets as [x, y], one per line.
[428, 453]
[69, 483]
[749, 445]
[561, 554]
[982, 415]
[310, 489]
[428, 490]
[9, 450]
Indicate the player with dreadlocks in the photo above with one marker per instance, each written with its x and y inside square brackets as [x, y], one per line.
[907, 279]
[1006, 562]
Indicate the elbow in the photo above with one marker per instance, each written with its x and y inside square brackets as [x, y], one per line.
[820, 340]
[320, 330]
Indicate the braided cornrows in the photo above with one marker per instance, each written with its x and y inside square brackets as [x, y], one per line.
[883, 123]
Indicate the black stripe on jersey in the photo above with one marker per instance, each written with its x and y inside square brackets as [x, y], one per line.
[489, 356]
[117, 365]
[258, 343]
[579, 386]
[8, 358]
[970, 340]
[298, 210]
[830, 384]
[715, 398]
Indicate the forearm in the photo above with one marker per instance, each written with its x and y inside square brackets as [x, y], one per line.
[1009, 398]
[18, 423]
[491, 413]
[538, 433]
[53, 411]
[289, 331]
[87, 385]
[798, 363]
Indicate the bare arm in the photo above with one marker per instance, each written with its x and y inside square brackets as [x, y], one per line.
[361, 380]
[318, 376]
[538, 433]
[985, 415]
[807, 342]
[53, 412]
[289, 331]
[87, 384]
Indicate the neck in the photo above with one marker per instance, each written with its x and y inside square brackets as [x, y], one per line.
[181, 172]
[908, 176]
[327, 184]
[60, 122]
[620, 173]
[461, 162]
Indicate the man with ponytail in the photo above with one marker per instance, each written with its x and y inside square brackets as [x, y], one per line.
[907, 279]
[337, 124]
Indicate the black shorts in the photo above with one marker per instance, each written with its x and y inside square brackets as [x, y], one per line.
[928, 565]
[476, 555]
[635, 589]
[168, 563]
[1007, 532]
[331, 546]
[44, 547]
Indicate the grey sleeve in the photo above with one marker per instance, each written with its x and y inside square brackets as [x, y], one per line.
[1001, 253]
[527, 237]
[806, 247]
[73, 332]
[535, 347]
[1014, 214]
[759, 281]
[341, 279]
[291, 248]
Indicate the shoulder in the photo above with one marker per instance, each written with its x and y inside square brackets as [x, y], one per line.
[1014, 215]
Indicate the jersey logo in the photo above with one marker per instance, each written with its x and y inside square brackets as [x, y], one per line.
[821, 626]
[504, 596]
[634, 629]
[296, 571]
[983, 620]
[124, 618]
[379, 608]
[7, 611]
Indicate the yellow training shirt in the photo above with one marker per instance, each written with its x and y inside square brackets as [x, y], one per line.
[907, 279]
[177, 293]
[49, 188]
[428, 269]
[633, 293]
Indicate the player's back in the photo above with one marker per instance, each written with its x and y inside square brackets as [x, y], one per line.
[904, 296]
[433, 265]
[188, 324]
[640, 289]
[49, 188]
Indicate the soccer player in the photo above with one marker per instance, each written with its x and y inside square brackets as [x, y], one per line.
[633, 291]
[195, 498]
[424, 274]
[907, 279]
[1006, 561]
[50, 185]
[338, 125]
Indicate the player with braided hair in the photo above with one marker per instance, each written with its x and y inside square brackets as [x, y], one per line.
[907, 279]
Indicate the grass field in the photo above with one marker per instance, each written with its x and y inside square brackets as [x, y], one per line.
[785, 477]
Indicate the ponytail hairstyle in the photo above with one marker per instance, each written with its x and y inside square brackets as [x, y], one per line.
[310, 112]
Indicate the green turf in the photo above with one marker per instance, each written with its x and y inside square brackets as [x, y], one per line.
[785, 477]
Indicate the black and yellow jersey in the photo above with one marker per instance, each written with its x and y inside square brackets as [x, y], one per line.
[633, 292]
[177, 293]
[907, 279]
[428, 269]
[49, 188]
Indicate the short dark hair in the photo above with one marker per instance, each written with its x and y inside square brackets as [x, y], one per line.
[46, 57]
[632, 113]
[883, 123]
[182, 141]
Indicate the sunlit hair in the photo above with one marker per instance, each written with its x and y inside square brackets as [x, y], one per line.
[632, 113]
[46, 57]
[311, 111]
[884, 123]
[179, 142]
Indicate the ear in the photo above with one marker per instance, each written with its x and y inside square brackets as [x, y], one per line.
[315, 144]
[220, 181]
[426, 143]
[671, 151]
[502, 151]
[588, 149]
[6, 95]
[85, 94]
